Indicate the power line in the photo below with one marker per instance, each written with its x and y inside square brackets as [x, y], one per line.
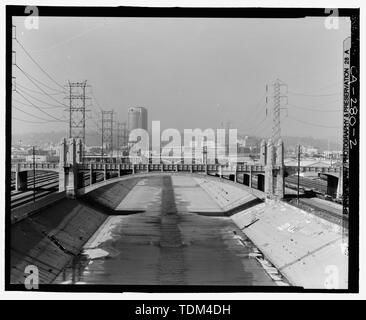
[259, 106]
[45, 85]
[314, 95]
[95, 123]
[32, 115]
[337, 100]
[315, 110]
[40, 87]
[29, 105]
[46, 73]
[97, 103]
[39, 108]
[28, 121]
[259, 127]
[29, 95]
[38, 92]
[315, 125]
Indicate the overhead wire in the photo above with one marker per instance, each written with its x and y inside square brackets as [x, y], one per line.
[32, 115]
[52, 98]
[38, 65]
[313, 124]
[54, 118]
[52, 106]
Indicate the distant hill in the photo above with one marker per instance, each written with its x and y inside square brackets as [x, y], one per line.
[94, 138]
[52, 137]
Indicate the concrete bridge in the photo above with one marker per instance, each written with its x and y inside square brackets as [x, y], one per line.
[270, 173]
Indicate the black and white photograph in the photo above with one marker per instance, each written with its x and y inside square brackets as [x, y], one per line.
[181, 149]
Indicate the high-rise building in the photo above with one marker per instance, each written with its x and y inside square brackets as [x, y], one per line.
[137, 118]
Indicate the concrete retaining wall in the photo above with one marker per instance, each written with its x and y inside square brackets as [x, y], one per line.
[307, 250]
[26, 210]
[228, 195]
[53, 237]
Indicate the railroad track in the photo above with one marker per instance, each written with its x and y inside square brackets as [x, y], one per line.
[40, 176]
[316, 185]
[45, 184]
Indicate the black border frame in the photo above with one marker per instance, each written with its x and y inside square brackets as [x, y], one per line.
[180, 12]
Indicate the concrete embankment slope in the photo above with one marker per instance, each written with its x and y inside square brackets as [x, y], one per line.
[306, 249]
[50, 238]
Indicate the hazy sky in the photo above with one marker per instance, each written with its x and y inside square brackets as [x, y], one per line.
[187, 72]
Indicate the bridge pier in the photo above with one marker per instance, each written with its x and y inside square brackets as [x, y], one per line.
[91, 175]
[268, 183]
[20, 179]
[68, 170]
[247, 179]
[250, 177]
[105, 172]
[263, 153]
[62, 163]
[280, 179]
[72, 174]
[334, 188]
[261, 182]
[274, 169]
[79, 151]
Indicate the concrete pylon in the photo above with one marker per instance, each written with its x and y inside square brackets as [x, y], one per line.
[268, 184]
[71, 154]
[62, 163]
[63, 151]
[263, 153]
[68, 170]
[79, 151]
[280, 180]
[21, 178]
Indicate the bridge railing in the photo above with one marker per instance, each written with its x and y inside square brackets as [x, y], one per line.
[39, 165]
[316, 169]
[168, 167]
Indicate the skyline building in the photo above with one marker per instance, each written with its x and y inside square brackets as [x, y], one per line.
[137, 118]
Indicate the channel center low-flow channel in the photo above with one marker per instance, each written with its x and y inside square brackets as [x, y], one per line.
[167, 230]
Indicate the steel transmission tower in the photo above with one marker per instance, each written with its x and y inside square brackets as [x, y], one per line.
[107, 131]
[277, 97]
[77, 110]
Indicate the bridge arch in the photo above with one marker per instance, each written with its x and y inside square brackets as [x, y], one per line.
[20, 179]
[87, 189]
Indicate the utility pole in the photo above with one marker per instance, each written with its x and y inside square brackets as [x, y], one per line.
[107, 131]
[34, 174]
[277, 106]
[77, 110]
[14, 62]
[298, 173]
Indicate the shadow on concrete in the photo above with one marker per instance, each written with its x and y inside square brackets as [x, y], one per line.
[94, 204]
[229, 213]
